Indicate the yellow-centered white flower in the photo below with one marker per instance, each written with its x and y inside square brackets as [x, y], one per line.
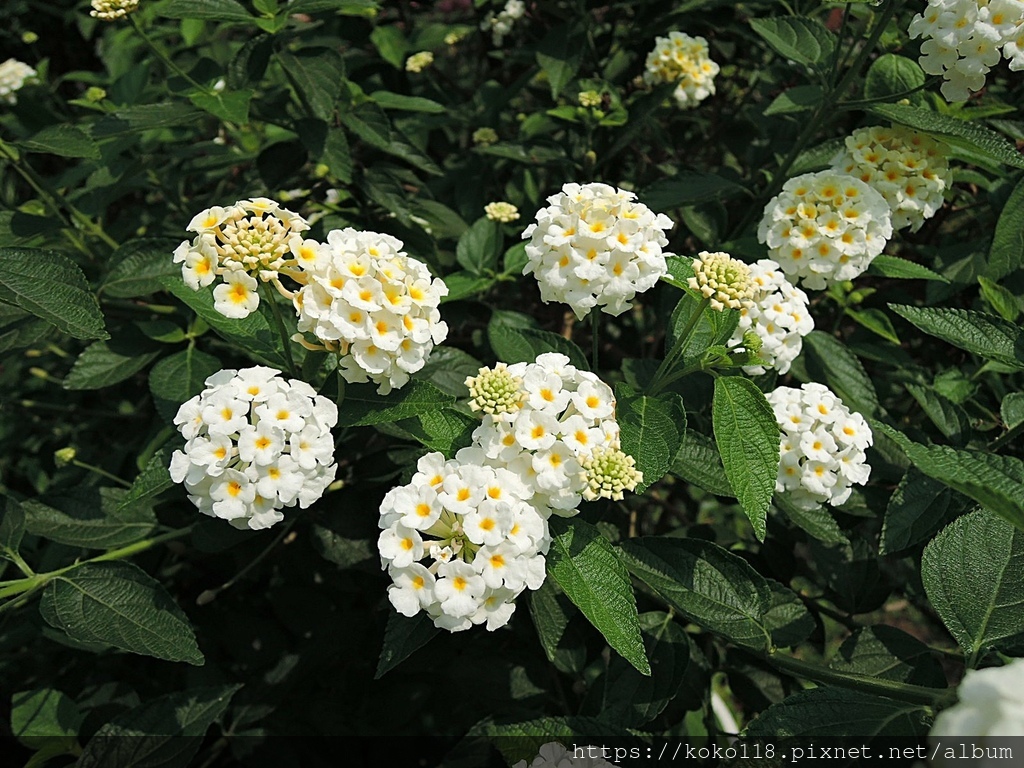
[778, 314]
[682, 59]
[13, 75]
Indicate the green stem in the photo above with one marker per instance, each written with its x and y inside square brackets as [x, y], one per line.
[211, 594]
[677, 348]
[100, 471]
[271, 299]
[913, 694]
[162, 55]
[595, 346]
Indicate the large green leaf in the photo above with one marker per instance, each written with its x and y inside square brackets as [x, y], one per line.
[788, 620]
[835, 712]
[523, 345]
[831, 361]
[973, 572]
[138, 266]
[1006, 254]
[698, 461]
[559, 57]
[229, 106]
[362, 405]
[51, 286]
[960, 133]
[104, 363]
[402, 638]
[365, 8]
[987, 335]
[687, 188]
[891, 266]
[40, 716]
[144, 117]
[179, 377]
[153, 480]
[588, 569]
[651, 430]
[12, 526]
[632, 699]
[214, 10]
[891, 75]
[917, 509]
[748, 440]
[62, 140]
[163, 733]
[317, 75]
[90, 518]
[800, 39]
[118, 604]
[889, 653]
[711, 586]
[479, 247]
[551, 612]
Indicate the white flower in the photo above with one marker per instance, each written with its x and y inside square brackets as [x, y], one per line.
[825, 227]
[778, 315]
[684, 60]
[255, 444]
[112, 10]
[13, 75]
[991, 704]
[594, 245]
[908, 168]
[500, 24]
[368, 300]
[962, 38]
[554, 755]
[822, 446]
[251, 239]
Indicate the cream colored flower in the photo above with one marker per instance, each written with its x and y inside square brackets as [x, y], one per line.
[502, 212]
[112, 10]
[683, 60]
[419, 61]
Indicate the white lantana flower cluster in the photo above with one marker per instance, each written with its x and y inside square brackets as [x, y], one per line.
[990, 703]
[255, 445]
[13, 75]
[500, 24]
[554, 425]
[484, 539]
[595, 245]
[251, 239]
[909, 169]
[112, 10]
[367, 299]
[825, 227]
[778, 315]
[962, 40]
[682, 59]
[823, 444]
[554, 755]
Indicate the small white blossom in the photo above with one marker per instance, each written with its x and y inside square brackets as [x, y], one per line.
[594, 245]
[825, 227]
[500, 24]
[13, 75]
[779, 315]
[554, 755]
[243, 461]
[910, 170]
[991, 704]
[112, 10]
[682, 59]
[822, 446]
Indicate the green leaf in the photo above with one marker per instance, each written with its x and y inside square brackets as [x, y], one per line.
[888, 653]
[800, 98]
[999, 298]
[712, 328]
[104, 363]
[177, 378]
[362, 405]
[149, 483]
[828, 713]
[62, 140]
[447, 369]
[364, 8]
[51, 286]
[251, 334]
[831, 361]
[12, 526]
[587, 568]
[138, 267]
[890, 266]
[709, 585]
[651, 430]
[698, 461]
[163, 733]
[443, 429]
[973, 572]
[995, 481]
[480, 246]
[214, 10]
[989, 336]
[687, 188]
[144, 117]
[403, 103]
[390, 44]
[803, 40]
[917, 509]
[1011, 410]
[891, 75]
[90, 518]
[317, 75]
[951, 420]
[118, 604]
[960, 133]
[336, 155]
[876, 321]
[748, 440]
[817, 522]
[523, 345]
[632, 699]
[788, 619]
[551, 612]
[559, 57]
[1006, 254]
[463, 284]
[229, 106]
[402, 638]
[42, 715]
